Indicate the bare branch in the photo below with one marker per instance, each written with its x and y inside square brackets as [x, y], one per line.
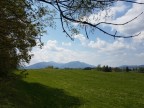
[120, 23]
[64, 28]
[130, 1]
[86, 32]
[72, 11]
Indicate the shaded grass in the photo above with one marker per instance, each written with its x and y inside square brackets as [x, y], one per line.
[22, 94]
[50, 88]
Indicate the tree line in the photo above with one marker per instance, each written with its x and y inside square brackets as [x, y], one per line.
[107, 68]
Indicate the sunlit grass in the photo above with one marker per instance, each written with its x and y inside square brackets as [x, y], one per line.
[51, 88]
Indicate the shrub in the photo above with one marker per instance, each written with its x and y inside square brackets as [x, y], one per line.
[141, 70]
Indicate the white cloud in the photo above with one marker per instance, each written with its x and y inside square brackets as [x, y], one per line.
[140, 55]
[102, 45]
[118, 52]
[106, 15]
[66, 44]
[83, 40]
[80, 37]
[136, 25]
[140, 38]
[99, 44]
[118, 8]
[51, 45]
[127, 12]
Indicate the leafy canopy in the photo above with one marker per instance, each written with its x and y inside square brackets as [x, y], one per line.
[21, 25]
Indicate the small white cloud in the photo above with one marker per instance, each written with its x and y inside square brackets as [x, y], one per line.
[83, 40]
[52, 42]
[99, 44]
[119, 7]
[80, 37]
[140, 55]
[66, 44]
[102, 45]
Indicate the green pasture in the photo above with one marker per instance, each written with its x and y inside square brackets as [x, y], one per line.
[55, 88]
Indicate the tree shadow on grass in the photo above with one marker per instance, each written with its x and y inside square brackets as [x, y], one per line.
[20, 94]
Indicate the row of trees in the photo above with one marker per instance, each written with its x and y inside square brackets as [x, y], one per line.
[117, 69]
[106, 68]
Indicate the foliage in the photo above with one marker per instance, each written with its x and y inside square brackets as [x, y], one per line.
[117, 69]
[127, 69]
[99, 68]
[21, 25]
[88, 68]
[104, 68]
[50, 67]
[141, 70]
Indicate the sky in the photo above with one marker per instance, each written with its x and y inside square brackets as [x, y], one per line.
[99, 48]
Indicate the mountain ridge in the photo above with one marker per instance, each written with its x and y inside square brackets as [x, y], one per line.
[72, 64]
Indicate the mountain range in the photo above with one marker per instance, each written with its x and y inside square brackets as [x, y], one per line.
[73, 64]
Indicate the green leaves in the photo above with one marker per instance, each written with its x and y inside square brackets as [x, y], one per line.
[21, 23]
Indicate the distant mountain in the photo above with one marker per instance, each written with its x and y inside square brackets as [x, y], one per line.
[44, 65]
[74, 64]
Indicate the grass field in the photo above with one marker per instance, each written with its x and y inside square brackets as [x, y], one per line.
[74, 89]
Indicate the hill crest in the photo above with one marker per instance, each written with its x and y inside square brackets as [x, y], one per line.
[72, 64]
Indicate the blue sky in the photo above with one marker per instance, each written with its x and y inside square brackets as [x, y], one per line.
[100, 48]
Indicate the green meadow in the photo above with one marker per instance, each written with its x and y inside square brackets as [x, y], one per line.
[55, 88]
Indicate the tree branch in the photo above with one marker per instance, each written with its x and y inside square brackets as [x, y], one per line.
[71, 11]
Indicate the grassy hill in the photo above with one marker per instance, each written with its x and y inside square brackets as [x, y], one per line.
[51, 88]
